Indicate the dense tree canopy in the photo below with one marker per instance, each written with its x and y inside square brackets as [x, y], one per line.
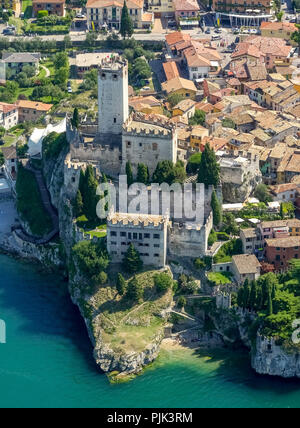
[209, 171]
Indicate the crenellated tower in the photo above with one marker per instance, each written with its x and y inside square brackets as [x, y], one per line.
[113, 106]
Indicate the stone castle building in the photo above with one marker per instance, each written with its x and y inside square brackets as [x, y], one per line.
[148, 233]
[135, 138]
[121, 137]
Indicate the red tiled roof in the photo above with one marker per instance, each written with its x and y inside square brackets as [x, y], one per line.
[171, 70]
[176, 37]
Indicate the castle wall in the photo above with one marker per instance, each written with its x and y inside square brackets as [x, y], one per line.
[148, 148]
[189, 240]
[108, 159]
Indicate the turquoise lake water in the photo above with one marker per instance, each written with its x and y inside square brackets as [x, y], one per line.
[47, 360]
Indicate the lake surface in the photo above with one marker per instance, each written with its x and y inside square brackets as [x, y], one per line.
[47, 360]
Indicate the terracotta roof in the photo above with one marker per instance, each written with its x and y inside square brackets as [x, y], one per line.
[215, 142]
[234, 82]
[9, 152]
[185, 105]
[176, 37]
[280, 223]
[282, 188]
[178, 83]
[6, 108]
[34, 105]
[270, 45]
[246, 263]
[194, 59]
[248, 233]
[289, 242]
[186, 5]
[147, 17]
[275, 26]
[206, 107]
[171, 70]
[246, 49]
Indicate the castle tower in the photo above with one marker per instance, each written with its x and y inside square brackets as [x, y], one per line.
[113, 107]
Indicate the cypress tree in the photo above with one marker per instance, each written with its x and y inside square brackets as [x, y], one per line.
[216, 208]
[132, 261]
[247, 291]
[209, 170]
[240, 297]
[75, 119]
[121, 284]
[142, 174]
[126, 28]
[78, 204]
[135, 290]
[129, 174]
[91, 199]
[270, 305]
[253, 295]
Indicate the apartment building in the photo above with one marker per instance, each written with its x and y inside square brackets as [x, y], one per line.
[53, 7]
[32, 110]
[108, 13]
[280, 252]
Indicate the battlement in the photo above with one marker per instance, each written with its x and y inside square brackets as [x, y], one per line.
[154, 125]
[97, 148]
[112, 64]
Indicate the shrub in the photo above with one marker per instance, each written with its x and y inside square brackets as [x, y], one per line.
[163, 282]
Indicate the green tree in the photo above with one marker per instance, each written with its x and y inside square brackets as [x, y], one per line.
[132, 261]
[75, 118]
[194, 163]
[174, 99]
[129, 174]
[228, 123]
[61, 60]
[92, 259]
[163, 282]
[181, 302]
[247, 292]
[296, 35]
[126, 29]
[142, 174]
[121, 284]
[216, 208]
[209, 171]
[135, 290]
[262, 193]
[78, 204]
[198, 118]
[167, 172]
[253, 295]
[270, 304]
[90, 198]
[279, 16]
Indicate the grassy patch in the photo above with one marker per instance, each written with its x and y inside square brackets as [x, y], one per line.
[219, 278]
[29, 203]
[126, 326]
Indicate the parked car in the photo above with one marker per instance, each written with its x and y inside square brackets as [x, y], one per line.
[70, 90]
[207, 31]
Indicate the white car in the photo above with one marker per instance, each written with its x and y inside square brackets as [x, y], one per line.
[70, 90]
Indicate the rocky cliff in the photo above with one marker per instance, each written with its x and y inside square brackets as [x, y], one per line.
[270, 359]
